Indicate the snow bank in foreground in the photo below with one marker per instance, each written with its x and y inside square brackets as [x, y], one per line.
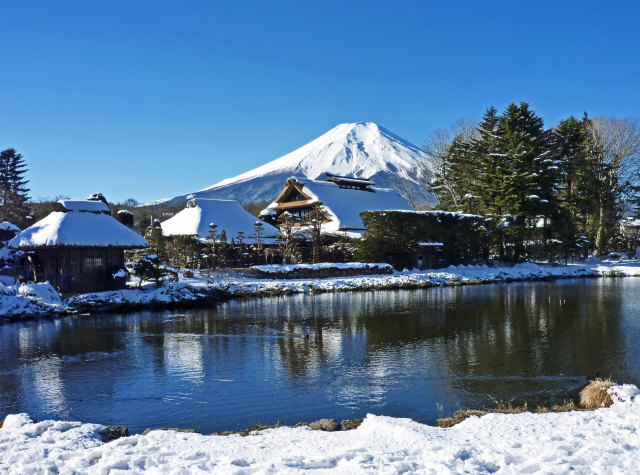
[601, 441]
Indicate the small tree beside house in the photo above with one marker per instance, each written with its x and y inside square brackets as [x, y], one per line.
[288, 246]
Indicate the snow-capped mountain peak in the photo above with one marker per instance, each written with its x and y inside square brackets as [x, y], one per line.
[360, 149]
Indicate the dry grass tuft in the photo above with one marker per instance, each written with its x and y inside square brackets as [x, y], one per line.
[503, 408]
[595, 394]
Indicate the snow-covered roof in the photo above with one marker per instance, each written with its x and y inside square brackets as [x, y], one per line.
[344, 205]
[227, 215]
[7, 226]
[125, 211]
[84, 224]
[85, 206]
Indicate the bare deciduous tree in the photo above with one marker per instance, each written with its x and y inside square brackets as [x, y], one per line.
[618, 151]
[416, 195]
[434, 169]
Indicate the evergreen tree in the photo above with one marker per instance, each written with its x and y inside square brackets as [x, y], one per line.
[157, 241]
[258, 246]
[13, 190]
[507, 173]
[577, 191]
[212, 241]
[528, 183]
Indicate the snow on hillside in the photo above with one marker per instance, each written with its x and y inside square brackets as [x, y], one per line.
[600, 441]
[361, 149]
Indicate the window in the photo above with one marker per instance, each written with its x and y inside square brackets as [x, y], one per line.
[92, 264]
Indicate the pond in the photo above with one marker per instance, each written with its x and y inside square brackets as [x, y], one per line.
[404, 353]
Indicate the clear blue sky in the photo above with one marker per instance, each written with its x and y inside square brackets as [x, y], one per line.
[151, 99]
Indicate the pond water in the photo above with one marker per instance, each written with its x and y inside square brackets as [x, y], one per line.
[404, 353]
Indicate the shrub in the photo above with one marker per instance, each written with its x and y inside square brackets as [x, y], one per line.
[393, 236]
[151, 268]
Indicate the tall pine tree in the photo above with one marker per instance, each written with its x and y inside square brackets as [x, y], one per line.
[13, 190]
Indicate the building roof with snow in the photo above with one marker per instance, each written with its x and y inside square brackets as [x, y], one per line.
[7, 226]
[341, 203]
[81, 224]
[227, 215]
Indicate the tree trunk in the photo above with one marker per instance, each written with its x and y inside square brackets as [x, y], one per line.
[601, 231]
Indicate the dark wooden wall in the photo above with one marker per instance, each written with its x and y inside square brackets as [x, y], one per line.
[80, 269]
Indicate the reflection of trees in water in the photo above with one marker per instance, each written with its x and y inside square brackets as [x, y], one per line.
[57, 360]
[533, 329]
[535, 339]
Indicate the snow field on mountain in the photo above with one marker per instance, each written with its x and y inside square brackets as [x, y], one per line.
[361, 149]
[601, 441]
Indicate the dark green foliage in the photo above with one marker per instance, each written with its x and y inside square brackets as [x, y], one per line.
[185, 252]
[13, 190]
[150, 268]
[157, 241]
[125, 217]
[393, 236]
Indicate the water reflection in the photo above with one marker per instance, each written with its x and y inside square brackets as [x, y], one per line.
[330, 355]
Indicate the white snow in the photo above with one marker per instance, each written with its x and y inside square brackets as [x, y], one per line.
[85, 205]
[361, 150]
[227, 215]
[7, 226]
[30, 299]
[600, 441]
[78, 228]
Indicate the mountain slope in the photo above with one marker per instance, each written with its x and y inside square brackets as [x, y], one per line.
[361, 149]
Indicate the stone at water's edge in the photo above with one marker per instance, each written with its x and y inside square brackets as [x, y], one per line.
[113, 432]
[328, 425]
[350, 424]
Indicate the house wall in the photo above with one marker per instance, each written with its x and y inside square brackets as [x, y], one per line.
[80, 269]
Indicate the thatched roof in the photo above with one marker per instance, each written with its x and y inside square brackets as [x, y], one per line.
[342, 205]
[83, 224]
[227, 215]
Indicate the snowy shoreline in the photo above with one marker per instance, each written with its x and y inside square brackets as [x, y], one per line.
[34, 300]
[605, 440]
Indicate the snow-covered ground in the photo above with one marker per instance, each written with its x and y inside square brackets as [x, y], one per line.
[600, 441]
[30, 300]
[192, 290]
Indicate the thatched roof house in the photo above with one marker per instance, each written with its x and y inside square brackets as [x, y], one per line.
[341, 199]
[77, 248]
[227, 215]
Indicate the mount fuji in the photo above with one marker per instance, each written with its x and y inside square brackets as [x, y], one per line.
[361, 149]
